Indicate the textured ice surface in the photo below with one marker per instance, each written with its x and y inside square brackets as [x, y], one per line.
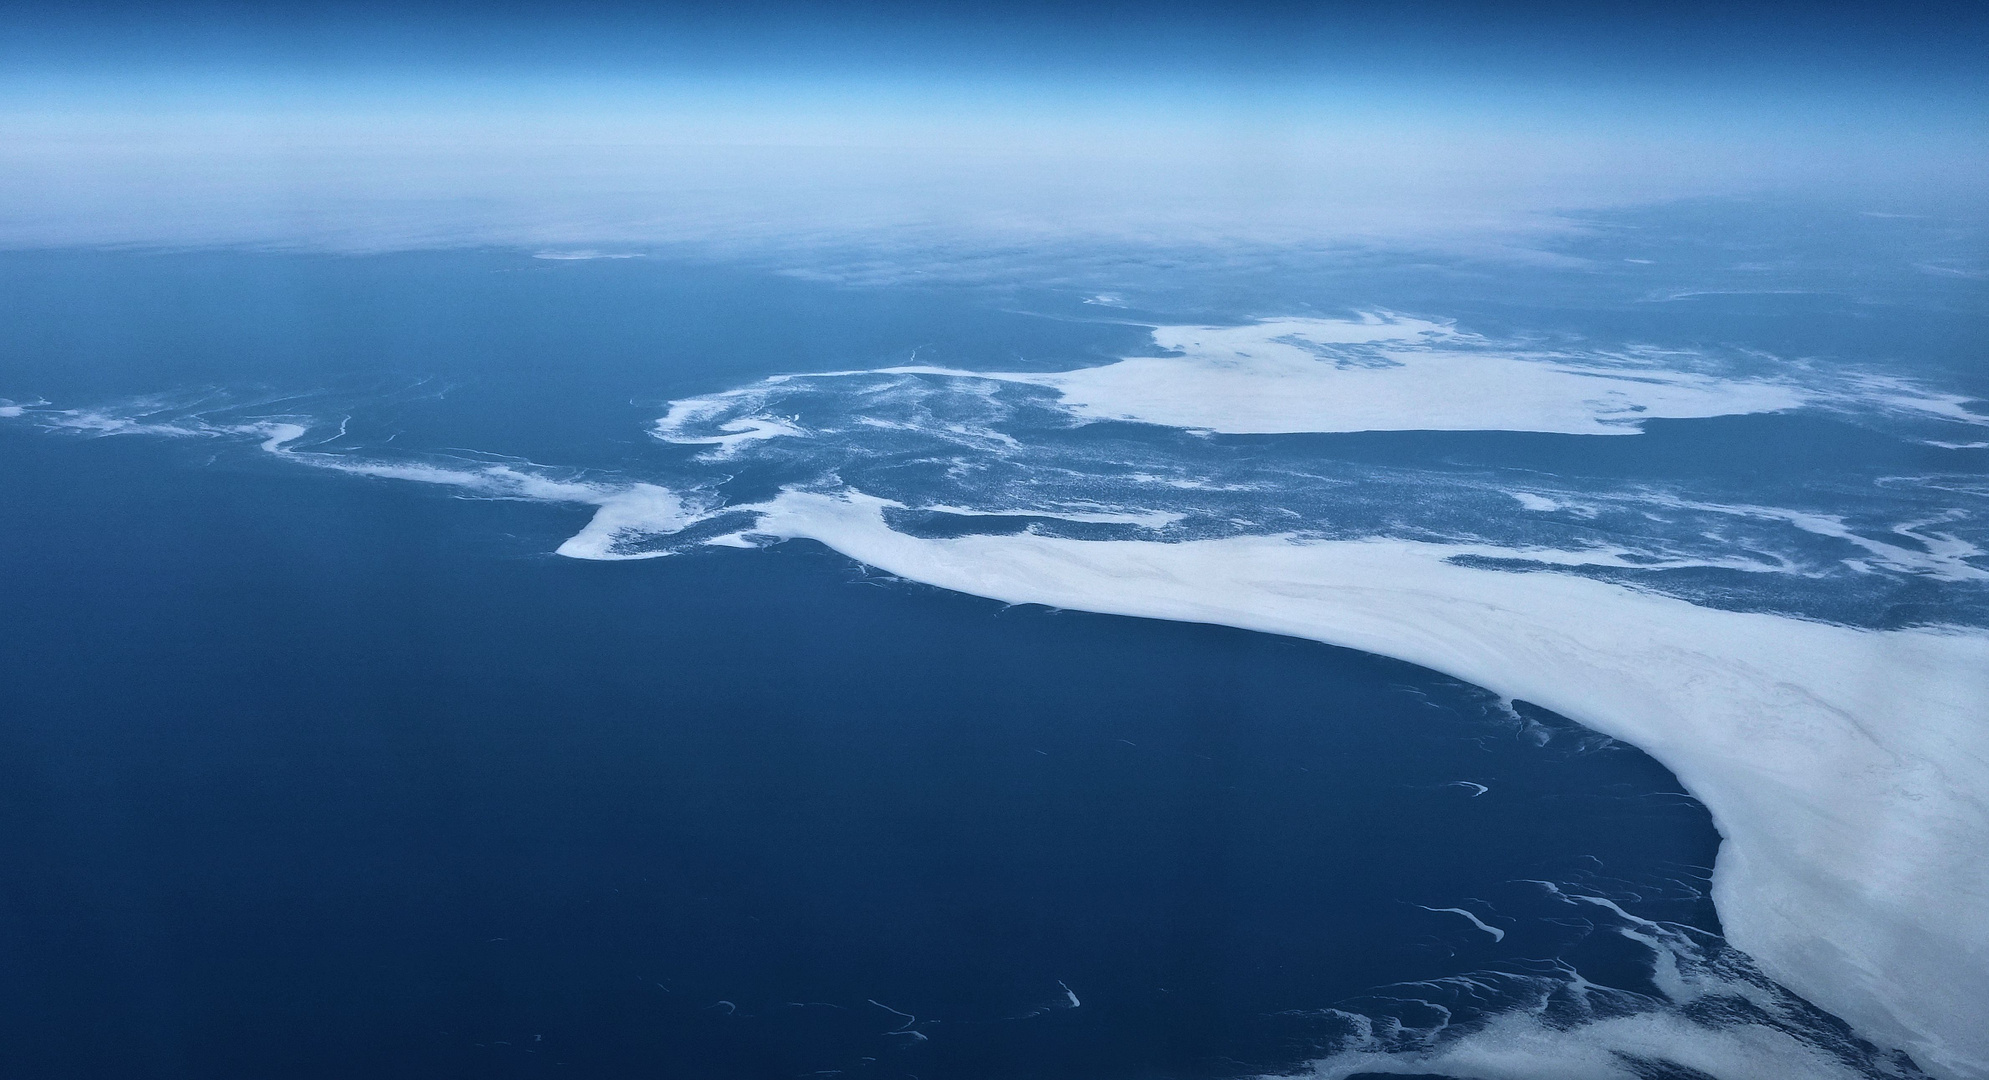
[1290, 375]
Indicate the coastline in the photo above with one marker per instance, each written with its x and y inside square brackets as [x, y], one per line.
[1836, 798]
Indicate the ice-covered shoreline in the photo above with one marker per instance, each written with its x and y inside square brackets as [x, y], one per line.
[1846, 768]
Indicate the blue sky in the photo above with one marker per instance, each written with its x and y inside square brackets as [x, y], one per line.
[584, 121]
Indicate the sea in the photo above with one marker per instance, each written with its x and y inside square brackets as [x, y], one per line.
[671, 663]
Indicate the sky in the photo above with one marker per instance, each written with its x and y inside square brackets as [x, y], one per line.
[418, 124]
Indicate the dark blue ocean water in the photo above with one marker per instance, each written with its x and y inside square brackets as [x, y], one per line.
[307, 775]
[308, 778]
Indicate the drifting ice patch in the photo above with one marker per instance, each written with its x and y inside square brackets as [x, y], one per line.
[1706, 1012]
[1497, 934]
[1327, 375]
